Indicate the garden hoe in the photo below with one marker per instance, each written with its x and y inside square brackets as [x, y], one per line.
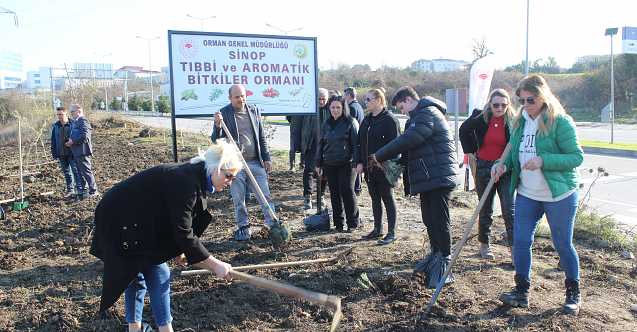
[331, 301]
[462, 242]
[279, 232]
[332, 259]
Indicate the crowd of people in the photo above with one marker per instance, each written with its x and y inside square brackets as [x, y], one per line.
[341, 146]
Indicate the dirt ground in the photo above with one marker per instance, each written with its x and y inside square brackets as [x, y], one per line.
[49, 282]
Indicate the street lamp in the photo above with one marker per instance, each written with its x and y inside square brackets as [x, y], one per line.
[201, 19]
[611, 32]
[150, 72]
[285, 32]
[526, 61]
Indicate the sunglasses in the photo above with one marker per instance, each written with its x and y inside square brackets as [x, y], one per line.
[369, 99]
[497, 105]
[229, 176]
[528, 100]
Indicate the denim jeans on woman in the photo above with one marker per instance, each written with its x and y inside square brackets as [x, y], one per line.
[561, 218]
[156, 279]
[483, 175]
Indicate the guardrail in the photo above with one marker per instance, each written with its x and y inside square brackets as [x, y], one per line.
[135, 113]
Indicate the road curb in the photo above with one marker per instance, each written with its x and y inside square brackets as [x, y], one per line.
[610, 152]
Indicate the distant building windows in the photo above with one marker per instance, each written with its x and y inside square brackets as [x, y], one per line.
[37, 81]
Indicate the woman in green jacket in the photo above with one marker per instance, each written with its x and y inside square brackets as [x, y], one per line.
[544, 154]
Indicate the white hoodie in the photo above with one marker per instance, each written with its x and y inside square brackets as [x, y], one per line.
[532, 182]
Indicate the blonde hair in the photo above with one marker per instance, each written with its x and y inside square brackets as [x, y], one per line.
[536, 85]
[380, 94]
[509, 113]
[221, 155]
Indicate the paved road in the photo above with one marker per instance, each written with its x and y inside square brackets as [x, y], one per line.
[610, 195]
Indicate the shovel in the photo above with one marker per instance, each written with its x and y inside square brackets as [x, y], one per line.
[467, 231]
[282, 233]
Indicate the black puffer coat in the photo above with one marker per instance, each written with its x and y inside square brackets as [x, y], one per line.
[428, 143]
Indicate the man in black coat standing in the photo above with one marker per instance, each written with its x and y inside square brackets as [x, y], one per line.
[428, 148]
[60, 133]
[357, 112]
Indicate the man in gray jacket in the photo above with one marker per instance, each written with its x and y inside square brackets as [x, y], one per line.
[244, 123]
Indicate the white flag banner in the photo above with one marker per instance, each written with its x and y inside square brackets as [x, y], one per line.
[480, 82]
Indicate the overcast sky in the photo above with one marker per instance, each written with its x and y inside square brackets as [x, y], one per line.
[393, 33]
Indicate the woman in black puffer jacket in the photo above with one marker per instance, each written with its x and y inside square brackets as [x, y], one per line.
[378, 128]
[336, 156]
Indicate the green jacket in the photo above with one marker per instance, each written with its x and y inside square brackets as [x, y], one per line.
[560, 152]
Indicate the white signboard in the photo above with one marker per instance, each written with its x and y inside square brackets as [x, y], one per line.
[629, 40]
[279, 72]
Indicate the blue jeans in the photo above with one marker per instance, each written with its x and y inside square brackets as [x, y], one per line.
[238, 192]
[561, 218]
[70, 172]
[157, 280]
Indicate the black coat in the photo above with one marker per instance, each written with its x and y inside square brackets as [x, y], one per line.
[311, 130]
[296, 128]
[339, 142]
[472, 132]
[356, 111]
[375, 132]
[428, 142]
[147, 219]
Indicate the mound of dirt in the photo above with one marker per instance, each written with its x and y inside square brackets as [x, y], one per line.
[49, 282]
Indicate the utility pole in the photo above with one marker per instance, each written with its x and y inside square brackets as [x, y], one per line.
[611, 32]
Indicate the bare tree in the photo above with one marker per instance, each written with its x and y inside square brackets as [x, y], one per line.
[480, 49]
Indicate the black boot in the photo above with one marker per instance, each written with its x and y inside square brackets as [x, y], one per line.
[377, 232]
[573, 298]
[389, 238]
[307, 202]
[519, 296]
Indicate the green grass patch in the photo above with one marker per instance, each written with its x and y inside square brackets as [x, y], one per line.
[606, 145]
[602, 231]
[277, 121]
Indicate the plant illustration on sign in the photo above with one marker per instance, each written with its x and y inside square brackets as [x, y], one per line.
[214, 94]
[189, 94]
[249, 93]
[295, 92]
[270, 93]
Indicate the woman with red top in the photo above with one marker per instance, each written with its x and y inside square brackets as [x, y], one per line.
[487, 134]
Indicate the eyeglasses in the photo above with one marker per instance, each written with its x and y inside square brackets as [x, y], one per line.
[528, 100]
[497, 105]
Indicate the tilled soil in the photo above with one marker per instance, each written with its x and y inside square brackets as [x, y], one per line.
[49, 282]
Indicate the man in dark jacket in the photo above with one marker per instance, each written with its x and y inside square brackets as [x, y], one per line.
[296, 127]
[309, 141]
[60, 133]
[431, 172]
[244, 123]
[82, 149]
[357, 112]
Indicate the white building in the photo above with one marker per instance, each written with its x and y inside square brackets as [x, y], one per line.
[92, 71]
[439, 65]
[39, 79]
[11, 72]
